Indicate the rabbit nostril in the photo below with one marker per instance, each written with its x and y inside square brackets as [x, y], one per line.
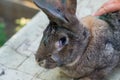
[38, 60]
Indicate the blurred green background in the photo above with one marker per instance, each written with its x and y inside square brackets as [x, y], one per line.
[14, 14]
[3, 36]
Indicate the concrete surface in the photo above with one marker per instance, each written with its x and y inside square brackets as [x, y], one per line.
[17, 61]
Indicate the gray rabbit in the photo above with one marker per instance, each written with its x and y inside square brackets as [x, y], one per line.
[87, 49]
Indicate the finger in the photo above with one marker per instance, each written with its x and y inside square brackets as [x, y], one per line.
[107, 9]
[103, 9]
[99, 12]
[108, 3]
[111, 2]
[112, 7]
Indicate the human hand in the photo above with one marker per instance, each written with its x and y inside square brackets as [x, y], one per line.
[110, 6]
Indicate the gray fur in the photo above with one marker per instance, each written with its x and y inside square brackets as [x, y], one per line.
[93, 49]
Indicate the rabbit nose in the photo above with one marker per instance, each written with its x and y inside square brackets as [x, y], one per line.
[37, 58]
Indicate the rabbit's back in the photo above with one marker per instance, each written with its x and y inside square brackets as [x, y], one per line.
[113, 19]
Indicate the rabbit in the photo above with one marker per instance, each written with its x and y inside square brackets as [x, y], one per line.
[83, 49]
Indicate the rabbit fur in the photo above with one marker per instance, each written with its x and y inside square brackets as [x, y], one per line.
[83, 49]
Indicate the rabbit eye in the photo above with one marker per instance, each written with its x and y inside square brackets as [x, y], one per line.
[62, 41]
[59, 44]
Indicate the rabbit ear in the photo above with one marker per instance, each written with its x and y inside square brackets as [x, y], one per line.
[57, 10]
[52, 8]
[71, 6]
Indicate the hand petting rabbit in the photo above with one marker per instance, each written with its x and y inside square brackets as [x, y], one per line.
[83, 49]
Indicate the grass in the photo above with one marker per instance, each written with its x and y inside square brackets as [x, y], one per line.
[3, 36]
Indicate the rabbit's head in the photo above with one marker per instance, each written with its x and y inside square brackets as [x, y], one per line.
[64, 39]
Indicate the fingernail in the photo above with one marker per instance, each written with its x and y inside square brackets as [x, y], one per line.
[95, 14]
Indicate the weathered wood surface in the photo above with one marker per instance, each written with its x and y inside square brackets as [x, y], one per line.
[17, 55]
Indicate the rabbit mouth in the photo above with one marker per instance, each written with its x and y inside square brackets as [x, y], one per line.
[48, 63]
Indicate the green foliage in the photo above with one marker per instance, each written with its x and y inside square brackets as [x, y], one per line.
[3, 36]
[21, 22]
